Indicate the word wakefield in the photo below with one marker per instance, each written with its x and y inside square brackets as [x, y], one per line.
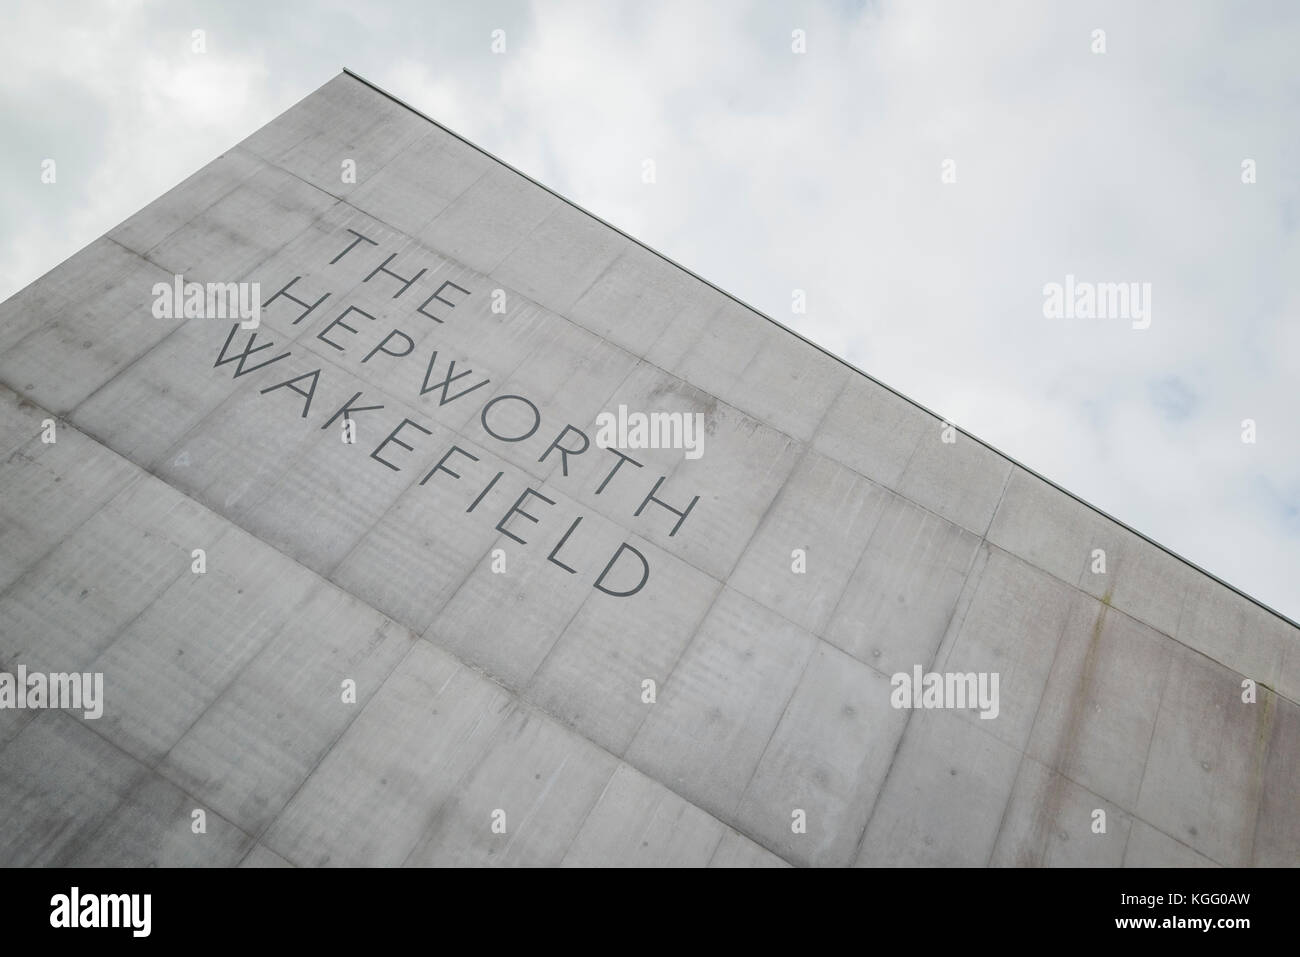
[506, 418]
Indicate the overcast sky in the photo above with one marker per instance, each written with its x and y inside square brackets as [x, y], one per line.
[819, 171]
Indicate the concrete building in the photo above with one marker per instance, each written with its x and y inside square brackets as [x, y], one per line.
[501, 539]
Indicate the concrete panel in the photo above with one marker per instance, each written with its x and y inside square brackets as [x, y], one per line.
[827, 758]
[143, 414]
[415, 557]
[558, 353]
[902, 594]
[505, 622]
[523, 804]
[1140, 579]
[158, 679]
[1045, 528]
[73, 294]
[342, 105]
[331, 493]
[486, 222]
[94, 336]
[154, 827]
[638, 296]
[1234, 631]
[20, 421]
[1289, 682]
[1149, 847]
[1053, 822]
[557, 261]
[1012, 629]
[12, 720]
[674, 343]
[180, 204]
[639, 823]
[872, 431]
[1206, 770]
[68, 607]
[59, 784]
[944, 796]
[366, 139]
[49, 490]
[719, 708]
[593, 678]
[369, 800]
[738, 475]
[242, 229]
[491, 336]
[961, 481]
[1277, 833]
[420, 181]
[827, 512]
[965, 600]
[757, 367]
[230, 458]
[310, 278]
[736, 851]
[255, 745]
[1099, 708]
[260, 856]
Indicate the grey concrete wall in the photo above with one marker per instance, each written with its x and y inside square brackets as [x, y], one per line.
[491, 674]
